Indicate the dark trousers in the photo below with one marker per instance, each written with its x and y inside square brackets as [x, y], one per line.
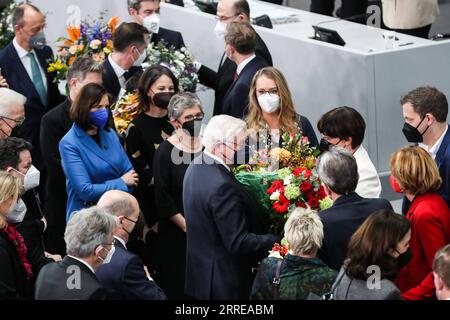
[349, 8]
[422, 32]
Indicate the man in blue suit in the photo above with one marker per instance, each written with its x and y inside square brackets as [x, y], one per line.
[225, 233]
[425, 112]
[125, 277]
[338, 172]
[24, 64]
[240, 45]
[146, 13]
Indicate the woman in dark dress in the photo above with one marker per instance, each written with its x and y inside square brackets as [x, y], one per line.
[271, 110]
[170, 164]
[156, 86]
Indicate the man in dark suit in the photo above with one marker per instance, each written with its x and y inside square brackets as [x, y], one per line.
[125, 277]
[338, 172]
[90, 243]
[54, 126]
[129, 52]
[224, 237]
[425, 112]
[146, 13]
[227, 12]
[24, 64]
[240, 42]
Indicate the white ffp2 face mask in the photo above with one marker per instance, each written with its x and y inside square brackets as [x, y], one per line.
[140, 60]
[220, 30]
[152, 23]
[17, 212]
[31, 179]
[269, 103]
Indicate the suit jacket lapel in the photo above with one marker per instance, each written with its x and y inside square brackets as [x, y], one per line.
[44, 64]
[443, 148]
[110, 77]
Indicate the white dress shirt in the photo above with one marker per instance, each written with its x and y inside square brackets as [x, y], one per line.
[220, 161]
[118, 71]
[435, 148]
[369, 184]
[242, 65]
[83, 262]
[22, 53]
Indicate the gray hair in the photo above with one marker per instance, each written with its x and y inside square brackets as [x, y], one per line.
[338, 170]
[10, 99]
[222, 129]
[304, 231]
[81, 67]
[87, 229]
[181, 102]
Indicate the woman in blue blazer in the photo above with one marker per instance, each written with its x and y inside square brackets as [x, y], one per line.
[92, 157]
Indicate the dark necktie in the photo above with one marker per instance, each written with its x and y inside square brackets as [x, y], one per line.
[235, 76]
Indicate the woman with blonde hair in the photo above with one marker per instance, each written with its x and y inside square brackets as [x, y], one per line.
[300, 272]
[271, 110]
[415, 174]
[15, 270]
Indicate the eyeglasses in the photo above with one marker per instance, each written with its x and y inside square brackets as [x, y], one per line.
[18, 122]
[196, 117]
[272, 91]
[132, 220]
[225, 18]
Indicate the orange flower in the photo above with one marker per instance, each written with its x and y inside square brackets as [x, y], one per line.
[74, 33]
[112, 23]
[71, 60]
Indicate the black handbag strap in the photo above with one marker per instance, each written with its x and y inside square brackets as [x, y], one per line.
[276, 280]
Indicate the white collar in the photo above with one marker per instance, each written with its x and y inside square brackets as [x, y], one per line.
[242, 65]
[84, 262]
[121, 241]
[117, 69]
[435, 148]
[220, 161]
[21, 51]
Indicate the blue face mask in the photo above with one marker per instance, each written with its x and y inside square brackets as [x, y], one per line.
[99, 118]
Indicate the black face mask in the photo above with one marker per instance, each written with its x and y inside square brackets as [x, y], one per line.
[404, 258]
[193, 127]
[324, 145]
[162, 99]
[412, 134]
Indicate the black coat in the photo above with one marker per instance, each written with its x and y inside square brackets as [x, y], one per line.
[54, 126]
[172, 38]
[341, 221]
[221, 80]
[52, 282]
[124, 278]
[235, 102]
[13, 280]
[224, 236]
[18, 79]
[110, 80]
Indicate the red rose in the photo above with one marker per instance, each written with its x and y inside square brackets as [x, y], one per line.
[308, 174]
[300, 205]
[321, 194]
[313, 203]
[298, 171]
[306, 187]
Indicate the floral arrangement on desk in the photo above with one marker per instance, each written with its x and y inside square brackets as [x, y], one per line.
[6, 25]
[91, 38]
[180, 62]
[282, 179]
[279, 250]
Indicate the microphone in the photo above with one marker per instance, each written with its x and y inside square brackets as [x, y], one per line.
[357, 16]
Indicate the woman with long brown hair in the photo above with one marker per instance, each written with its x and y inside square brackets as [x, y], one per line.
[271, 109]
[375, 254]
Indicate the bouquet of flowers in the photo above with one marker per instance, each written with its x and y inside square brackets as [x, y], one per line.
[6, 25]
[281, 179]
[279, 250]
[180, 62]
[91, 38]
[124, 111]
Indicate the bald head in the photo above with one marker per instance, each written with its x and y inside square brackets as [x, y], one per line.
[119, 203]
[229, 10]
